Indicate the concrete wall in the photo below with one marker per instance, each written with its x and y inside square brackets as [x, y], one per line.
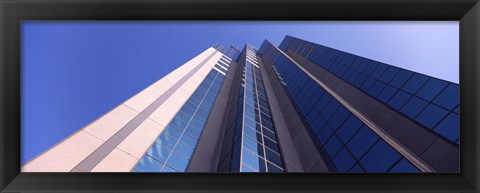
[115, 141]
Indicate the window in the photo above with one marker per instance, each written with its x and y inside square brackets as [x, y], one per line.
[431, 115]
[330, 109]
[399, 99]
[324, 133]
[400, 79]
[404, 166]
[362, 141]
[379, 70]
[376, 88]
[370, 67]
[387, 93]
[183, 150]
[166, 141]
[413, 107]
[252, 145]
[431, 89]
[414, 83]
[252, 160]
[389, 74]
[333, 146]
[367, 84]
[147, 163]
[388, 155]
[449, 97]
[337, 119]
[344, 160]
[449, 127]
[346, 131]
[190, 141]
[172, 131]
[177, 162]
[158, 152]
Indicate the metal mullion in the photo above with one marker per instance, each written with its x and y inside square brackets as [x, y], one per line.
[261, 124]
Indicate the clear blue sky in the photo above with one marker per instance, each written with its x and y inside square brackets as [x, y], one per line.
[74, 72]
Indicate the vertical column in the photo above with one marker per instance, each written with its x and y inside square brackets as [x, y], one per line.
[115, 141]
[172, 150]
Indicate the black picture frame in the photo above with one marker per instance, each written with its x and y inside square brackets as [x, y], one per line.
[12, 12]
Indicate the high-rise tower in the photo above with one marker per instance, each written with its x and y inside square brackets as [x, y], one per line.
[298, 107]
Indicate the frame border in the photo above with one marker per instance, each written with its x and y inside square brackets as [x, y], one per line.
[12, 12]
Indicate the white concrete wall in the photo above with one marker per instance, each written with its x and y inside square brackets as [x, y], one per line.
[67, 154]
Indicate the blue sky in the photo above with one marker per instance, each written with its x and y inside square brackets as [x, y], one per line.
[74, 72]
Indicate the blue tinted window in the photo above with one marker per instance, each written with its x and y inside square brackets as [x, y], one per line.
[183, 150]
[370, 67]
[197, 122]
[431, 89]
[269, 134]
[168, 169]
[250, 132]
[158, 152]
[337, 119]
[270, 144]
[177, 162]
[273, 157]
[251, 144]
[380, 158]
[183, 117]
[190, 141]
[246, 168]
[344, 161]
[381, 68]
[172, 131]
[362, 141]
[148, 164]
[272, 168]
[367, 84]
[387, 93]
[318, 123]
[357, 168]
[330, 108]
[404, 166]
[192, 131]
[333, 145]
[187, 110]
[376, 88]
[166, 141]
[413, 107]
[389, 74]
[178, 123]
[449, 97]
[251, 159]
[325, 133]
[449, 127]
[346, 131]
[399, 99]
[323, 102]
[415, 83]
[401, 78]
[359, 81]
[431, 115]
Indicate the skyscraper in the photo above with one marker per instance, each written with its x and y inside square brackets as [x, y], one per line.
[298, 107]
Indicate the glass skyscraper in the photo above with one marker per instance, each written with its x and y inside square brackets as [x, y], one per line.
[296, 107]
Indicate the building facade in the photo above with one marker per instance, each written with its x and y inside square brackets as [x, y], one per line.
[296, 107]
